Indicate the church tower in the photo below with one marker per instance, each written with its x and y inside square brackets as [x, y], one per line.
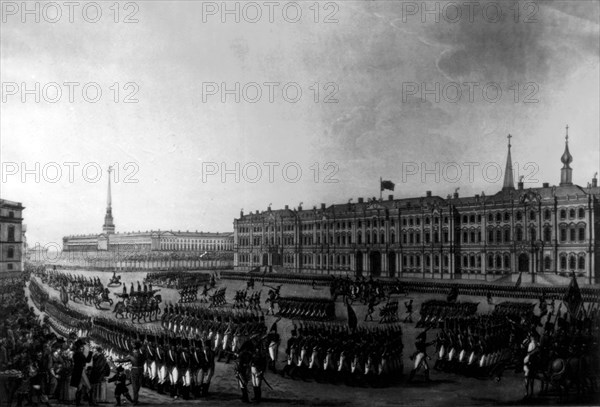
[508, 171]
[566, 173]
[109, 226]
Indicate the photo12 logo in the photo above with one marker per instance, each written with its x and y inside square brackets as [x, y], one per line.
[53, 172]
[253, 12]
[69, 12]
[270, 92]
[471, 92]
[454, 172]
[270, 171]
[69, 92]
[472, 11]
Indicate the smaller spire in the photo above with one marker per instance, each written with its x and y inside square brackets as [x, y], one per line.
[566, 173]
[566, 158]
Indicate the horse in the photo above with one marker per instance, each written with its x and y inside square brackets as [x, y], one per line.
[101, 297]
[115, 281]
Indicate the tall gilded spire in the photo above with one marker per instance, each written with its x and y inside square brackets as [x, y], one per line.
[566, 173]
[508, 171]
[109, 226]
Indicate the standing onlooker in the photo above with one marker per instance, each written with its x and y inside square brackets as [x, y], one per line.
[137, 369]
[100, 370]
[78, 377]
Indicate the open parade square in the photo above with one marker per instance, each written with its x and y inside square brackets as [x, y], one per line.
[443, 386]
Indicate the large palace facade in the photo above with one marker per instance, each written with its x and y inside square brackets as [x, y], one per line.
[546, 233]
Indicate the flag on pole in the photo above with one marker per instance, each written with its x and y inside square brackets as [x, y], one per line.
[387, 185]
[518, 283]
[573, 297]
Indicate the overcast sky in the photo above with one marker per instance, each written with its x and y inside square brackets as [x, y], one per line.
[371, 62]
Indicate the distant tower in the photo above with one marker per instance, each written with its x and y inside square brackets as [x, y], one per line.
[109, 226]
[566, 176]
[508, 172]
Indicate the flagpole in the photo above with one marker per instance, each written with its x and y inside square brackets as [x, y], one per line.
[380, 189]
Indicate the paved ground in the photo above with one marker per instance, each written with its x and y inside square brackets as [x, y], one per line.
[444, 389]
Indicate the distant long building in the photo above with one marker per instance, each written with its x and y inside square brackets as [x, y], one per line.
[148, 241]
[541, 233]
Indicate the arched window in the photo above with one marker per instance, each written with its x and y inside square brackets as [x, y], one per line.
[427, 261]
[547, 263]
[532, 234]
[572, 263]
[392, 238]
[563, 234]
[581, 213]
[519, 215]
[418, 261]
[491, 236]
[581, 233]
[358, 237]
[563, 214]
[507, 235]
[490, 261]
[498, 262]
[581, 263]
[472, 261]
[490, 218]
[436, 260]
[519, 234]
[498, 217]
[571, 213]
[547, 214]
[506, 261]
[498, 236]
[572, 234]
[368, 238]
[563, 262]
[375, 237]
[547, 234]
[465, 219]
[472, 219]
[382, 238]
[506, 216]
[465, 261]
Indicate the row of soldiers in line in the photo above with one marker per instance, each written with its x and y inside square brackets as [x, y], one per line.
[179, 367]
[474, 345]
[306, 309]
[184, 366]
[433, 312]
[247, 300]
[180, 279]
[58, 279]
[226, 328]
[190, 293]
[330, 352]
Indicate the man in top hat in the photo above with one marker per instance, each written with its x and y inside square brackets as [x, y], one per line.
[79, 378]
[420, 355]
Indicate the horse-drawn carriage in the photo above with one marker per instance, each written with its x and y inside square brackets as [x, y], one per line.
[138, 305]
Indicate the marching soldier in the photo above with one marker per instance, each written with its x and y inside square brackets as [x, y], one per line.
[273, 339]
[209, 356]
[420, 355]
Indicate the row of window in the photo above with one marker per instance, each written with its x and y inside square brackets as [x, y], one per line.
[497, 261]
[498, 217]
